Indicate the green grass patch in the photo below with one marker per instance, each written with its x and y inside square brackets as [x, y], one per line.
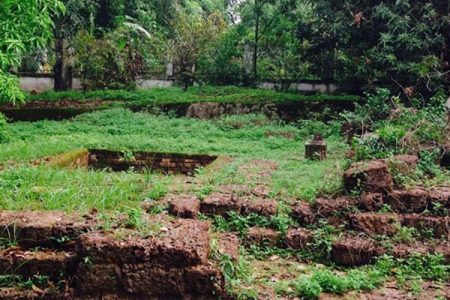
[25, 184]
[175, 95]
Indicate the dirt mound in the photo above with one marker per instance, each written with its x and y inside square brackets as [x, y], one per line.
[263, 207]
[263, 236]
[373, 223]
[220, 204]
[228, 243]
[413, 200]
[299, 238]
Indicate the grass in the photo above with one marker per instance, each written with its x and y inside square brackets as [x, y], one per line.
[175, 95]
[291, 278]
[28, 182]
[25, 183]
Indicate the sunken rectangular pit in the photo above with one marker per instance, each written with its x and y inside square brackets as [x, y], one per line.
[168, 163]
[139, 161]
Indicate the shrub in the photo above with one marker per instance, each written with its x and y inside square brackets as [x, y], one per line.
[330, 282]
[111, 62]
[4, 137]
[403, 130]
[308, 288]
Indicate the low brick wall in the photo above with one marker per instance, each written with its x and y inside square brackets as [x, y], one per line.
[169, 163]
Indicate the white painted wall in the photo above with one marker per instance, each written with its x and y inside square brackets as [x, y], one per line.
[38, 84]
[302, 87]
[153, 83]
[41, 84]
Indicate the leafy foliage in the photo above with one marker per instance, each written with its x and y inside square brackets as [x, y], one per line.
[4, 135]
[24, 25]
[398, 42]
[395, 128]
[193, 37]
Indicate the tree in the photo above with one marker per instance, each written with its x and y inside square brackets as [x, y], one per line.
[194, 36]
[257, 9]
[96, 16]
[80, 14]
[24, 25]
[401, 43]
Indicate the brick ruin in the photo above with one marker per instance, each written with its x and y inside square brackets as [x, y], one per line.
[361, 218]
[81, 261]
[100, 159]
[174, 260]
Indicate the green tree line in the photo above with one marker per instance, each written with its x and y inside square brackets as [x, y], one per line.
[402, 44]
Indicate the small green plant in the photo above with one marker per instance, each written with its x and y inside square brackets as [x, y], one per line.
[330, 282]
[4, 135]
[307, 288]
[128, 156]
[62, 240]
[236, 272]
[158, 190]
[439, 209]
[11, 280]
[205, 191]
[11, 239]
[87, 261]
[405, 234]
[385, 208]
[324, 236]
[427, 164]
[134, 218]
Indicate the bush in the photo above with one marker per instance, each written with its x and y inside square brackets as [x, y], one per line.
[223, 65]
[403, 130]
[4, 137]
[114, 60]
[307, 288]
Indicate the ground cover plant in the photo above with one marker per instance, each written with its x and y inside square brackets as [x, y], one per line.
[121, 129]
[228, 94]
[214, 188]
[248, 146]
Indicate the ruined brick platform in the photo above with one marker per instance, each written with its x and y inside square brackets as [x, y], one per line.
[382, 208]
[170, 262]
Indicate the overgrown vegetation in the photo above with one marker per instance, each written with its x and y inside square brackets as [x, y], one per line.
[409, 271]
[229, 94]
[393, 54]
[25, 186]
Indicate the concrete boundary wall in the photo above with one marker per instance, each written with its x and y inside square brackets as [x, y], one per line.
[309, 86]
[45, 83]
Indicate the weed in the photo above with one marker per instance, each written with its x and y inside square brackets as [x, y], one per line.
[10, 280]
[134, 219]
[405, 234]
[156, 96]
[236, 273]
[330, 282]
[439, 209]
[385, 208]
[324, 236]
[158, 190]
[307, 288]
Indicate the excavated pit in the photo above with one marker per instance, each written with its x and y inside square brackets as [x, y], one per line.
[139, 161]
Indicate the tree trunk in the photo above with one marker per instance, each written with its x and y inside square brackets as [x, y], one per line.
[62, 71]
[255, 51]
